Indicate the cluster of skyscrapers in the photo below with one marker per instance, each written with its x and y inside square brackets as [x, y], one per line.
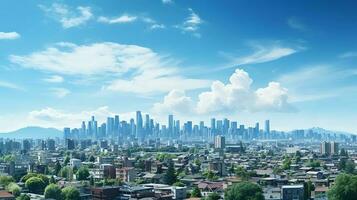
[143, 128]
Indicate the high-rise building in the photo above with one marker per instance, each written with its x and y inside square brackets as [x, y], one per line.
[171, 126]
[67, 133]
[139, 126]
[219, 142]
[334, 148]
[325, 148]
[267, 128]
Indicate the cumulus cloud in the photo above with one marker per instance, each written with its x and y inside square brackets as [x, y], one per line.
[66, 16]
[129, 68]
[54, 79]
[9, 35]
[191, 24]
[175, 102]
[234, 96]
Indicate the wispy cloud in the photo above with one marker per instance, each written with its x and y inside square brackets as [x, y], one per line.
[54, 79]
[350, 54]
[118, 20]
[9, 35]
[191, 24]
[66, 16]
[8, 85]
[295, 23]
[314, 82]
[261, 54]
[126, 18]
[60, 92]
[128, 68]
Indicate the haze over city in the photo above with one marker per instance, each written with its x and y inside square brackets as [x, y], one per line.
[290, 62]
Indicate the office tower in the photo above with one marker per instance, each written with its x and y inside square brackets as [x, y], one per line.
[83, 130]
[147, 124]
[139, 126]
[189, 128]
[202, 126]
[109, 127]
[26, 145]
[225, 126]
[51, 145]
[219, 142]
[171, 126]
[219, 129]
[267, 127]
[92, 128]
[116, 125]
[256, 130]
[67, 133]
[233, 129]
[334, 148]
[325, 148]
[70, 144]
[177, 128]
[213, 125]
[132, 128]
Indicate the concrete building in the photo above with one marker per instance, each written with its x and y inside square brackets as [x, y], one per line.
[292, 192]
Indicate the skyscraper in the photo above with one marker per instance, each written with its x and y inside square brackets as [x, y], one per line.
[171, 130]
[267, 129]
[139, 126]
[219, 142]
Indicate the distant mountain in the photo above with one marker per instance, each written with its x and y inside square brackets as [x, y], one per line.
[322, 130]
[33, 132]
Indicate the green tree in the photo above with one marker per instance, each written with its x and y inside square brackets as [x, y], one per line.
[170, 175]
[350, 167]
[44, 178]
[14, 189]
[179, 184]
[53, 191]
[345, 188]
[70, 193]
[308, 188]
[66, 172]
[244, 191]
[210, 175]
[242, 173]
[91, 158]
[6, 180]
[66, 161]
[35, 185]
[23, 197]
[57, 168]
[213, 196]
[286, 163]
[82, 173]
[196, 192]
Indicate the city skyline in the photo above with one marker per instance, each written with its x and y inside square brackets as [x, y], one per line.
[64, 61]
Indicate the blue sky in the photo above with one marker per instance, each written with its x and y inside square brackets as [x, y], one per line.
[291, 62]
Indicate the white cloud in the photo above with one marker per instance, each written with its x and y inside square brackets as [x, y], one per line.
[130, 68]
[8, 85]
[350, 54]
[313, 83]
[9, 35]
[264, 54]
[54, 79]
[235, 96]
[175, 102]
[295, 23]
[60, 92]
[191, 24]
[118, 20]
[67, 16]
